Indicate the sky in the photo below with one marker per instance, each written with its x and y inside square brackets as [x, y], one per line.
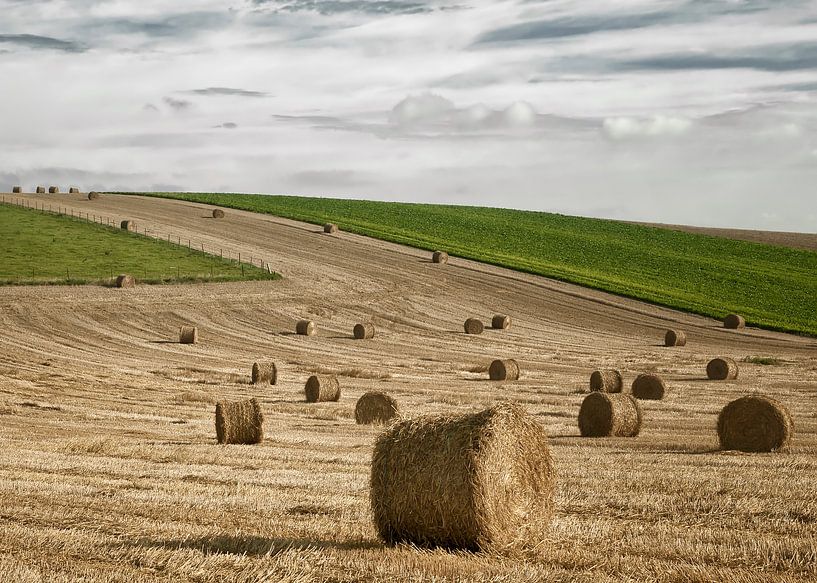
[698, 112]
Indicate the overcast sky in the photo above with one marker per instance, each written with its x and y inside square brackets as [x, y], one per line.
[684, 111]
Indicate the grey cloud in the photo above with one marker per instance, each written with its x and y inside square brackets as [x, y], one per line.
[177, 104]
[329, 7]
[227, 91]
[773, 58]
[331, 179]
[177, 25]
[36, 42]
[228, 125]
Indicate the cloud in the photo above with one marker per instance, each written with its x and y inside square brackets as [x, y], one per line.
[36, 42]
[220, 91]
[175, 26]
[628, 127]
[774, 58]
[177, 104]
[329, 7]
[228, 125]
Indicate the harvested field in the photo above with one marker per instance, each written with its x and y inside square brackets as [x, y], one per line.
[110, 470]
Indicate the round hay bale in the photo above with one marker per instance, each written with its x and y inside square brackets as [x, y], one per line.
[128, 225]
[16, 189]
[734, 322]
[721, 369]
[73, 190]
[755, 423]
[649, 386]
[476, 481]
[40, 190]
[93, 195]
[364, 331]
[53, 190]
[606, 381]
[501, 322]
[504, 370]
[330, 228]
[375, 407]
[609, 415]
[322, 388]
[439, 257]
[188, 335]
[473, 326]
[218, 214]
[264, 373]
[125, 280]
[239, 422]
[675, 338]
[306, 328]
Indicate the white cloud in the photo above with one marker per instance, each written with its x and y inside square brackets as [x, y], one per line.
[628, 127]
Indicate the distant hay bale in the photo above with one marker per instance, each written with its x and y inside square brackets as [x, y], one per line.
[125, 280]
[439, 257]
[675, 338]
[734, 321]
[53, 190]
[364, 331]
[239, 422]
[501, 322]
[93, 195]
[504, 370]
[73, 190]
[322, 388]
[218, 214]
[722, 368]
[264, 373]
[375, 407]
[473, 326]
[330, 228]
[609, 415]
[649, 386]
[305, 328]
[475, 481]
[188, 335]
[16, 189]
[40, 190]
[606, 381]
[128, 225]
[755, 423]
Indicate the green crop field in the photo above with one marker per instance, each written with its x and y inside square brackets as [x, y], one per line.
[38, 247]
[773, 287]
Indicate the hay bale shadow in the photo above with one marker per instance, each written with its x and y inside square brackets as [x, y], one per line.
[164, 341]
[251, 545]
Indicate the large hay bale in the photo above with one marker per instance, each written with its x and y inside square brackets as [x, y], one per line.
[73, 190]
[330, 228]
[375, 407]
[218, 214]
[477, 481]
[128, 225]
[125, 280]
[305, 328]
[16, 189]
[239, 422]
[734, 321]
[53, 190]
[40, 190]
[322, 388]
[501, 322]
[606, 414]
[755, 423]
[722, 368]
[264, 373]
[649, 386]
[473, 326]
[606, 381]
[675, 338]
[504, 370]
[188, 335]
[93, 195]
[364, 331]
[439, 257]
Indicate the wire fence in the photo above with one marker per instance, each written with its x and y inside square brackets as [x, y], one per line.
[221, 256]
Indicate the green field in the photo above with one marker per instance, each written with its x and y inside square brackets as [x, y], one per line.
[773, 287]
[38, 247]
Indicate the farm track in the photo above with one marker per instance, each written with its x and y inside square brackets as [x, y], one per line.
[110, 469]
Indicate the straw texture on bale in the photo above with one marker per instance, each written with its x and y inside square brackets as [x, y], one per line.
[721, 369]
[755, 423]
[649, 386]
[305, 328]
[501, 322]
[606, 381]
[16, 189]
[188, 335]
[675, 338]
[734, 321]
[609, 415]
[40, 190]
[264, 373]
[93, 195]
[330, 228]
[504, 370]
[239, 422]
[473, 326]
[73, 190]
[364, 331]
[375, 407]
[53, 190]
[439, 257]
[218, 214]
[128, 225]
[322, 388]
[478, 481]
[125, 280]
